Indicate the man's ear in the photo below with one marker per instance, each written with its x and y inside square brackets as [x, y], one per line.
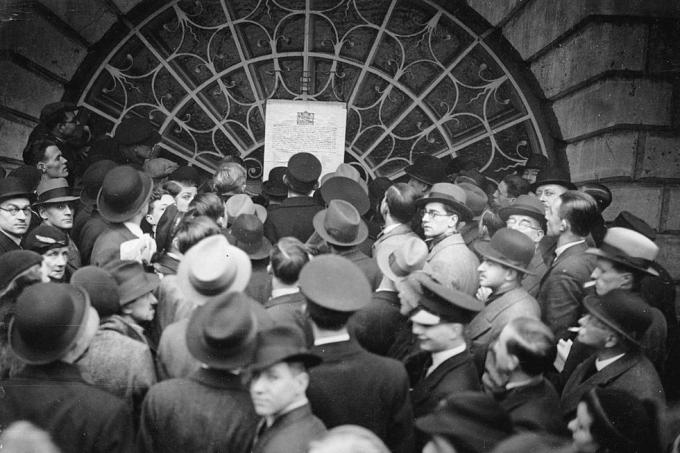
[564, 226]
[612, 340]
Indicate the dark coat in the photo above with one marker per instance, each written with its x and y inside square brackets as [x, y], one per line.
[377, 325]
[7, 244]
[79, 417]
[633, 373]
[290, 433]
[107, 246]
[532, 282]
[166, 265]
[353, 386]
[211, 411]
[534, 407]
[293, 217]
[94, 227]
[260, 283]
[289, 309]
[561, 294]
[367, 265]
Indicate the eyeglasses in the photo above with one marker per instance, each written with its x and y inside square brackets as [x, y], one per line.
[14, 211]
[435, 214]
[524, 223]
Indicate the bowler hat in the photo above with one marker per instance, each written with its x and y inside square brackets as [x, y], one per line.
[29, 176]
[334, 282]
[212, 267]
[52, 111]
[186, 173]
[537, 161]
[599, 192]
[475, 198]
[281, 344]
[132, 281]
[449, 194]
[242, 204]
[623, 311]
[626, 219]
[54, 190]
[398, 258]
[427, 169]
[342, 188]
[222, 332]
[274, 185]
[526, 205]
[13, 188]
[302, 172]
[45, 237]
[47, 322]
[553, 176]
[160, 167]
[474, 419]
[124, 191]
[248, 232]
[509, 248]
[101, 287]
[93, 178]
[340, 224]
[439, 303]
[15, 262]
[346, 171]
[136, 131]
[629, 248]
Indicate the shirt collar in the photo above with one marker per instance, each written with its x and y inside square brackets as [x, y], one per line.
[332, 339]
[440, 357]
[284, 292]
[270, 419]
[559, 250]
[390, 228]
[134, 229]
[600, 364]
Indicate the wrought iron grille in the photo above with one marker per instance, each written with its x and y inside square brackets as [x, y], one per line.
[415, 79]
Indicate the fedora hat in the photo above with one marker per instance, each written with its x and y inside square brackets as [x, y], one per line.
[101, 287]
[15, 262]
[347, 171]
[553, 175]
[124, 191]
[628, 247]
[12, 187]
[45, 237]
[274, 185]
[622, 311]
[242, 204]
[248, 233]
[132, 281]
[47, 322]
[54, 190]
[343, 188]
[449, 194]
[212, 267]
[526, 205]
[427, 169]
[281, 344]
[398, 258]
[626, 219]
[340, 224]
[438, 303]
[335, 282]
[222, 332]
[137, 131]
[302, 172]
[93, 178]
[475, 198]
[509, 248]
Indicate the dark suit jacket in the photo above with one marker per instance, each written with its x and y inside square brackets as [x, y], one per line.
[78, 416]
[561, 293]
[367, 265]
[353, 386]
[633, 373]
[88, 234]
[260, 283]
[293, 217]
[289, 310]
[6, 244]
[377, 325]
[107, 246]
[290, 433]
[534, 407]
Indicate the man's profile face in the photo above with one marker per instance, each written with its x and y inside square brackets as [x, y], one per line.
[607, 277]
[15, 216]
[552, 216]
[547, 193]
[54, 163]
[277, 387]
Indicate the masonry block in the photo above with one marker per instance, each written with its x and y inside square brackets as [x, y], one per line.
[13, 138]
[126, 5]
[669, 253]
[90, 18]
[662, 157]
[605, 156]
[614, 102]
[672, 218]
[643, 201]
[26, 91]
[600, 47]
[493, 11]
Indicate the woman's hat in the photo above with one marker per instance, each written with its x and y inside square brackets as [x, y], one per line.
[248, 233]
[45, 237]
[132, 281]
[398, 258]
[54, 190]
[48, 321]
[123, 193]
[15, 262]
[450, 195]
[282, 344]
[101, 287]
[334, 282]
[242, 204]
[628, 247]
[622, 311]
[343, 188]
[340, 224]
[509, 248]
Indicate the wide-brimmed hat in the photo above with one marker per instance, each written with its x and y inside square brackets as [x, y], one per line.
[438, 303]
[11, 187]
[449, 194]
[54, 190]
[124, 191]
[622, 311]
[47, 322]
[475, 198]
[212, 267]
[29, 175]
[137, 131]
[472, 418]
[160, 167]
[340, 224]
[334, 282]
[248, 233]
[242, 204]
[599, 192]
[397, 257]
[553, 175]
[274, 185]
[132, 281]
[343, 188]
[302, 172]
[526, 205]
[427, 169]
[93, 178]
[346, 171]
[222, 332]
[281, 344]
[629, 248]
[101, 287]
[45, 237]
[510, 248]
[626, 219]
[15, 262]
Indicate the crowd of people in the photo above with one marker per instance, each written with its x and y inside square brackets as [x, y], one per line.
[149, 306]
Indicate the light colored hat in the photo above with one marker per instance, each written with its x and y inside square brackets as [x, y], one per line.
[54, 190]
[629, 248]
[242, 204]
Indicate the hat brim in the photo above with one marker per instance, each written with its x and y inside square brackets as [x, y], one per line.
[319, 217]
[589, 302]
[557, 182]
[286, 354]
[16, 194]
[607, 256]
[274, 190]
[56, 200]
[382, 258]
[419, 176]
[343, 188]
[485, 249]
[151, 283]
[260, 253]
[113, 216]
[463, 211]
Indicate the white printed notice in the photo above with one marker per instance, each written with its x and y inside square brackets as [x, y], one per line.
[304, 126]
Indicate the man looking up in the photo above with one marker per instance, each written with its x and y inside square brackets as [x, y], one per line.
[397, 208]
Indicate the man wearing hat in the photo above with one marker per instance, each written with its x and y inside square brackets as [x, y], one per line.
[53, 326]
[352, 386]
[603, 196]
[425, 171]
[449, 260]
[397, 208]
[475, 199]
[273, 189]
[293, 217]
[527, 215]
[534, 164]
[15, 213]
[613, 326]
[248, 233]
[341, 227]
[279, 379]
[136, 137]
[439, 323]
[210, 409]
[505, 261]
[123, 201]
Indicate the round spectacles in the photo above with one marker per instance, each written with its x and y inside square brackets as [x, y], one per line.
[435, 214]
[521, 224]
[14, 211]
